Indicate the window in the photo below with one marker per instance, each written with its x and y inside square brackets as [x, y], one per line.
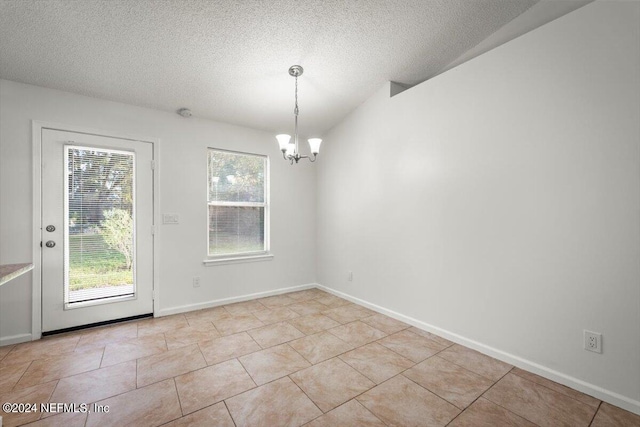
[99, 230]
[238, 205]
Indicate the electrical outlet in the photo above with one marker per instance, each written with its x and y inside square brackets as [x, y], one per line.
[196, 282]
[593, 341]
[350, 276]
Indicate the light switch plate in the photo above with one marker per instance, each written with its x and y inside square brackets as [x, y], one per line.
[170, 218]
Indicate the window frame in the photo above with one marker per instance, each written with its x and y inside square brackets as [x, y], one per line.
[261, 255]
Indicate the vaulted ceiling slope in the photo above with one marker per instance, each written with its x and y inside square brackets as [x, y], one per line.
[228, 60]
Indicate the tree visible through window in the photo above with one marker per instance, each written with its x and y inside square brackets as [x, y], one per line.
[237, 203]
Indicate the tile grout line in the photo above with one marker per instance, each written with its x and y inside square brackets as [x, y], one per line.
[341, 405]
[252, 339]
[226, 360]
[429, 339]
[135, 389]
[595, 413]
[228, 397]
[137, 359]
[214, 327]
[49, 398]
[507, 409]
[13, 346]
[503, 407]
[247, 372]
[165, 354]
[369, 411]
[104, 350]
[366, 391]
[301, 355]
[203, 357]
[441, 397]
[86, 420]
[473, 372]
[308, 397]
[77, 342]
[53, 379]
[54, 390]
[352, 398]
[289, 376]
[82, 373]
[155, 383]
[229, 412]
[356, 369]
[13, 388]
[175, 387]
[359, 320]
[482, 394]
[400, 354]
[549, 388]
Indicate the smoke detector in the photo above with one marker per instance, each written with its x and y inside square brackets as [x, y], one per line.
[184, 112]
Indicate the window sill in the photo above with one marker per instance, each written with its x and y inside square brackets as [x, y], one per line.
[237, 259]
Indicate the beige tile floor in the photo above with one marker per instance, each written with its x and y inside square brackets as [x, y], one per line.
[303, 358]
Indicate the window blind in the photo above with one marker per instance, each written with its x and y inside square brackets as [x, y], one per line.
[99, 229]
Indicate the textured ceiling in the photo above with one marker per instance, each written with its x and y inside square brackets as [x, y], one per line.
[228, 60]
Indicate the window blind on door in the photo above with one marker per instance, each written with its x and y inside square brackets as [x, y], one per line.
[99, 224]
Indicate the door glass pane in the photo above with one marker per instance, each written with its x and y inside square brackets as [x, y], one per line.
[235, 229]
[99, 229]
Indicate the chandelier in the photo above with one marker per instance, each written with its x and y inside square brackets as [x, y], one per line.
[290, 148]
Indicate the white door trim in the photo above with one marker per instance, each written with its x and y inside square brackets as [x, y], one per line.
[36, 285]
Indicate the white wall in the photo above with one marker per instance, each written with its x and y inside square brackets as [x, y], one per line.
[183, 144]
[498, 203]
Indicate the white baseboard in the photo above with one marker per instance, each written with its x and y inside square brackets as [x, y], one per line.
[15, 339]
[215, 303]
[567, 380]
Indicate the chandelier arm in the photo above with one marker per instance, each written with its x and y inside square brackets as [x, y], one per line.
[315, 156]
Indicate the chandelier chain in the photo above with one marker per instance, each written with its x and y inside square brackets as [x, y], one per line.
[295, 112]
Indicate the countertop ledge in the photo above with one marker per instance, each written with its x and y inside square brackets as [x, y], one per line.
[11, 271]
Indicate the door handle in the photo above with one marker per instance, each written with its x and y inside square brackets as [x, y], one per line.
[50, 244]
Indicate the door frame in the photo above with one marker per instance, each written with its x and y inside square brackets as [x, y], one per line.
[36, 286]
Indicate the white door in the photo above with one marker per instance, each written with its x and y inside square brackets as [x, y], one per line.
[97, 219]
